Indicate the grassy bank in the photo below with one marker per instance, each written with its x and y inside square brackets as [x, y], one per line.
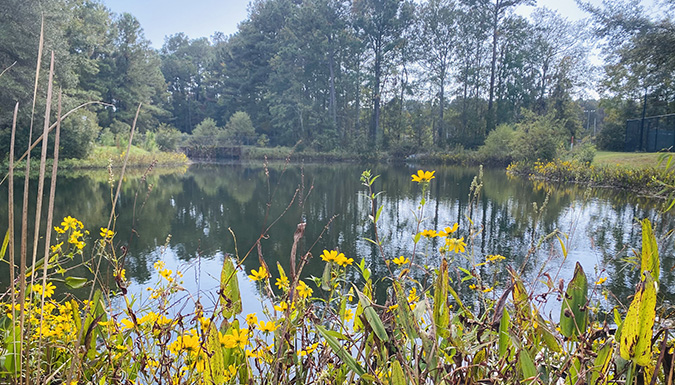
[636, 160]
[633, 173]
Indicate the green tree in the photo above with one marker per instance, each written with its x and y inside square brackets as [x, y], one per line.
[185, 66]
[78, 134]
[239, 129]
[132, 75]
[207, 133]
[437, 38]
[380, 23]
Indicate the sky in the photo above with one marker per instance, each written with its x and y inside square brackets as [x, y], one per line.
[201, 18]
[196, 18]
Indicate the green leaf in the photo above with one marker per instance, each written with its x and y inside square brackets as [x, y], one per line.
[230, 299]
[215, 368]
[340, 351]
[372, 317]
[650, 251]
[5, 243]
[527, 365]
[377, 215]
[397, 374]
[441, 311]
[75, 282]
[636, 333]
[573, 312]
[504, 338]
[326, 277]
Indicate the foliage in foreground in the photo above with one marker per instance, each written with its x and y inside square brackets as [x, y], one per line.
[330, 329]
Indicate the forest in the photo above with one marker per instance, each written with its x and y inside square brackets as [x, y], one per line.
[391, 75]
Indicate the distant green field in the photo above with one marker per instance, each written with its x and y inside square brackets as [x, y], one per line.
[626, 159]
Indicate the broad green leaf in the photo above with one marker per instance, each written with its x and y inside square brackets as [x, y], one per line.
[340, 351]
[527, 365]
[75, 282]
[397, 374]
[230, 298]
[372, 317]
[504, 338]
[650, 251]
[573, 312]
[13, 346]
[636, 335]
[441, 310]
[215, 368]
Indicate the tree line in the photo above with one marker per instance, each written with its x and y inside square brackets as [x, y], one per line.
[394, 75]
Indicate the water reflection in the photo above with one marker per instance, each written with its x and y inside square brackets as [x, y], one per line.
[201, 207]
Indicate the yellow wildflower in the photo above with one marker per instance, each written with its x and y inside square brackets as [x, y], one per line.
[59, 230]
[393, 307]
[251, 319]
[456, 245]
[56, 248]
[304, 291]
[283, 306]
[309, 350]
[330, 256]
[240, 337]
[343, 261]
[71, 223]
[348, 315]
[423, 176]
[601, 281]
[401, 260]
[448, 230]
[267, 326]
[429, 233]
[106, 233]
[496, 257]
[282, 283]
[258, 275]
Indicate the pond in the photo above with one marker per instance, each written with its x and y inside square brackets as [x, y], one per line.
[190, 220]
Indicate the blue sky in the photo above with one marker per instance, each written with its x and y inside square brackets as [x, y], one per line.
[201, 18]
[196, 18]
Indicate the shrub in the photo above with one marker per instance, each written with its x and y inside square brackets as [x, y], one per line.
[207, 133]
[239, 129]
[78, 133]
[536, 138]
[498, 143]
[167, 138]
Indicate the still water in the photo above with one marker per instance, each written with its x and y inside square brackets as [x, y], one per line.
[190, 219]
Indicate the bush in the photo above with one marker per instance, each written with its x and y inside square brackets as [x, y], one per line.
[78, 133]
[612, 137]
[106, 137]
[167, 138]
[498, 143]
[239, 129]
[536, 138]
[207, 133]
